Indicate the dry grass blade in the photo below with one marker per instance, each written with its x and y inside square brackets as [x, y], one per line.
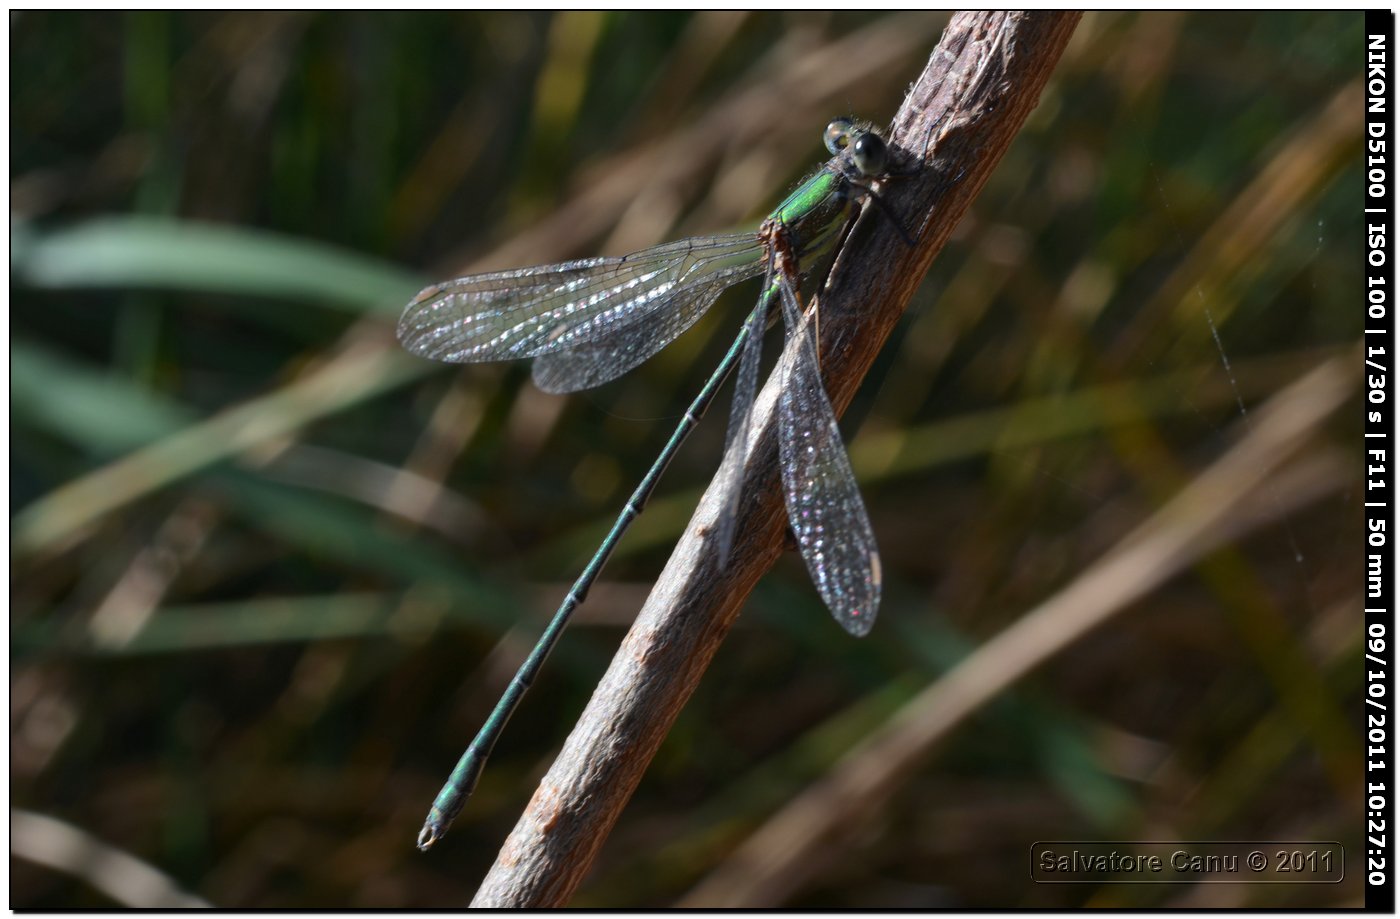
[124, 878]
[1317, 149]
[747, 117]
[783, 854]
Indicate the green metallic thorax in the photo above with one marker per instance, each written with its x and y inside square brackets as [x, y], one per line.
[813, 208]
[808, 196]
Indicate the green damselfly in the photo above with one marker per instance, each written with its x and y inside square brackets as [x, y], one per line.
[589, 321]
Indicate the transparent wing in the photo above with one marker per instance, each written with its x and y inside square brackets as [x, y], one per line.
[593, 363]
[736, 437]
[535, 311]
[824, 505]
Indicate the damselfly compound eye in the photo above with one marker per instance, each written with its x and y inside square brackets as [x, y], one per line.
[870, 153]
[838, 135]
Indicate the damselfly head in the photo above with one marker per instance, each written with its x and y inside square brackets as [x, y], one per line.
[868, 150]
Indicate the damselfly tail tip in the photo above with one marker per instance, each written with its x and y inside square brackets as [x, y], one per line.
[428, 836]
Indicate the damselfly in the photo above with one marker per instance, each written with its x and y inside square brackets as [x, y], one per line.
[588, 321]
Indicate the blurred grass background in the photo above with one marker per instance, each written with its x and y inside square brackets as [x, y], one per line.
[268, 574]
